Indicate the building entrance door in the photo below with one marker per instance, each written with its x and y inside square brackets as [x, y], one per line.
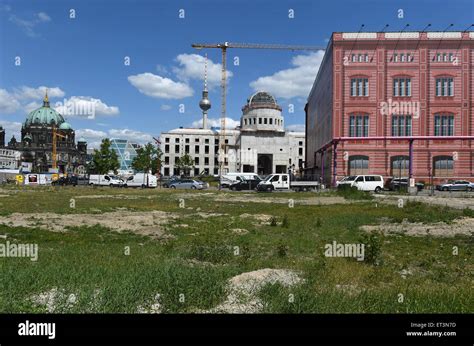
[265, 164]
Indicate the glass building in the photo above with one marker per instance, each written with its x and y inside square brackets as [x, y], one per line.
[126, 152]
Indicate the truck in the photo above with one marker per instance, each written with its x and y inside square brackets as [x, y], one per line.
[282, 182]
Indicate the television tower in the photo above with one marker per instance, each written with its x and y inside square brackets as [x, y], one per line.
[205, 104]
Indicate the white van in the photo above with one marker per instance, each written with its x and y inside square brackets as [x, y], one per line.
[367, 182]
[141, 180]
[230, 178]
[105, 180]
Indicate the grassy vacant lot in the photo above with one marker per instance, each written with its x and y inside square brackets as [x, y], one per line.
[186, 246]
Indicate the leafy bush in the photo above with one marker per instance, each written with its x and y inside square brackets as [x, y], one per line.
[273, 221]
[373, 247]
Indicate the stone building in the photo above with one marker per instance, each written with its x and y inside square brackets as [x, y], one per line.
[36, 143]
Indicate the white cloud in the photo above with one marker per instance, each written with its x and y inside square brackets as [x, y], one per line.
[160, 87]
[296, 128]
[165, 107]
[29, 93]
[216, 122]
[91, 134]
[192, 67]
[28, 26]
[95, 137]
[43, 17]
[11, 128]
[85, 106]
[293, 82]
[31, 106]
[27, 99]
[132, 135]
[8, 102]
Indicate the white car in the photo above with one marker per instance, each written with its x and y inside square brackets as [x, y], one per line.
[367, 182]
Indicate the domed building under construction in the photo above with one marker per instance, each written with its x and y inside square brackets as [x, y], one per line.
[44, 132]
[259, 145]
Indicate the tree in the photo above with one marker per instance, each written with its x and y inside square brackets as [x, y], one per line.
[105, 159]
[184, 164]
[148, 158]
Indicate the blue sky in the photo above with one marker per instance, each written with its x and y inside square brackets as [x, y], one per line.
[82, 59]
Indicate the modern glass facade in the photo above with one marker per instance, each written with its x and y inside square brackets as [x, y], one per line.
[126, 152]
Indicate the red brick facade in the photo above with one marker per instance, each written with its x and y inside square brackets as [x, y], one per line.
[435, 73]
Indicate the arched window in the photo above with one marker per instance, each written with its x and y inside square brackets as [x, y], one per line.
[443, 166]
[358, 164]
[400, 166]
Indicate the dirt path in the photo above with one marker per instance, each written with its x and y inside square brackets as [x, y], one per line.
[146, 223]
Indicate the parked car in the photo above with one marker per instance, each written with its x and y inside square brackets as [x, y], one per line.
[363, 182]
[68, 180]
[245, 184]
[457, 185]
[230, 178]
[105, 180]
[189, 184]
[166, 182]
[396, 184]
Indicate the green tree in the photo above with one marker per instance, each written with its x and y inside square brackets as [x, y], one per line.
[184, 164]
[148, 158]
[105, 159]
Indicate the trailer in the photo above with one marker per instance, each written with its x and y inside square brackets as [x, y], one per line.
[283, 182]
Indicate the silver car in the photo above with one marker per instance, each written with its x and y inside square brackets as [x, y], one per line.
[188, 184]
[458, 185]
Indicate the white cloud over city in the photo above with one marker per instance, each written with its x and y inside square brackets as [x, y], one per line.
[292, 82]
[27, 99]
[191, 67]
[216, 122]
[70, 107]
[156, 86]
[94, 137]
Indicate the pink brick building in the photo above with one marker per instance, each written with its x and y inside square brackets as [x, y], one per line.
[394, 104]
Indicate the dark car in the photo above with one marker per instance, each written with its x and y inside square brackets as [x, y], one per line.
[397, 184]
[244, 184]
[63, 181]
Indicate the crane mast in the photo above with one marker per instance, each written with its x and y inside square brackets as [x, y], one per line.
[55, 135]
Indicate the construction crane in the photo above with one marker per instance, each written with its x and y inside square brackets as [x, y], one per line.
[55, 135]
[223, 47]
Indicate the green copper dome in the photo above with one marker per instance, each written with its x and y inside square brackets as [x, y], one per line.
[65, 126]
[44, 116]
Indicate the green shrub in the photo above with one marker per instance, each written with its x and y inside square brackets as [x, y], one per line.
[273, 221]
[373, 247]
